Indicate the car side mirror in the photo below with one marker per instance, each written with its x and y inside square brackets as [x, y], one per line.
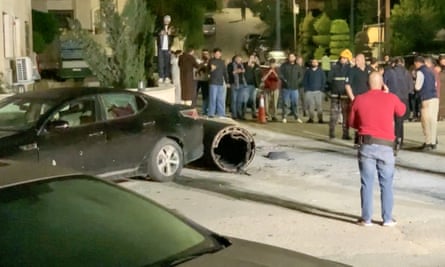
[57, 125]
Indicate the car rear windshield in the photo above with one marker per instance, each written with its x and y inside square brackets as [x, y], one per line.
[209, 21]
[78, 221]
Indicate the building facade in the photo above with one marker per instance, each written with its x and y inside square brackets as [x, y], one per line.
[16, 35]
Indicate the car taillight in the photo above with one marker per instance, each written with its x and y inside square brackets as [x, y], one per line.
[190, 113]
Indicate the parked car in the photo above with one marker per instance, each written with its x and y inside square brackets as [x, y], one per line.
[209, 26]
[106, 132]
[53, 217]
[279, 56]
[248, 41]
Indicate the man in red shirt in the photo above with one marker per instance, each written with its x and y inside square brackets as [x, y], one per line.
[372, 114]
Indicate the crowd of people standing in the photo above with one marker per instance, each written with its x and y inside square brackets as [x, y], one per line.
[295, 89]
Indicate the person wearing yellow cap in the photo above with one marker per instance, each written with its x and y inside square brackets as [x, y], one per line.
[340, 102]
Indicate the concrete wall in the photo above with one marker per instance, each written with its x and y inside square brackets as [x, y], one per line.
[15, 44]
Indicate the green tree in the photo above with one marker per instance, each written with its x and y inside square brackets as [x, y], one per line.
[122, 62]
[340, 38]
[365, 12]
[414, 24]
[45, 28]
[267, 13]
[307, 32]
[322, 26]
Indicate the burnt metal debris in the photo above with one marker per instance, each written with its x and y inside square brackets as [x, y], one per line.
[227, 146]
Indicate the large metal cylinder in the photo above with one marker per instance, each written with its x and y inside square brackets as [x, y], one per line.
[227, 146]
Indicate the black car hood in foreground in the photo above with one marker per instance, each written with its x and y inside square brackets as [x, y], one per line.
[244, 253]
[6, 133]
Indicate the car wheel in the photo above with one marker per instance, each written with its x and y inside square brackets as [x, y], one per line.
[165, 161]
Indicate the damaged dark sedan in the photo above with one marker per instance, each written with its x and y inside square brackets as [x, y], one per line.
[101, 131]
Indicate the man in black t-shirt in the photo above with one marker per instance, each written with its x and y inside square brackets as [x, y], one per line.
[357, 78]
[356, 82]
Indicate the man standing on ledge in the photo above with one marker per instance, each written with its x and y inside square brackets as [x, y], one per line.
[376, 142]
[164, 43]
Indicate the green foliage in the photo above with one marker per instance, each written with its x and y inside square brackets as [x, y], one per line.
[319, 52]
[122, 63]
[45, 28]
[367, 11]
[335, 52]
[308, 32]
[323, 24]
[414, 25]
[361, 43]
[266, 10]
[339, 26]
[322, 40]
[39, 43]
[340, 39]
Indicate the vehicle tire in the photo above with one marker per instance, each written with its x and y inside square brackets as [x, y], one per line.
[165, 161]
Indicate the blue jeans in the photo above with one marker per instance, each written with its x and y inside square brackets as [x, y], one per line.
[290, 101]
[217, 100]
[164, 64]
[238, 101]
[378, 159]
[251, 97]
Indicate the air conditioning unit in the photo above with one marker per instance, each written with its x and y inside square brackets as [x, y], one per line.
[23, 68]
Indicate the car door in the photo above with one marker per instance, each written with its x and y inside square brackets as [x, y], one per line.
[74, 137]
[130, 134]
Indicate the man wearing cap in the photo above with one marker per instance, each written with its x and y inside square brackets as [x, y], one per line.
[375, 128]
[164, 42]
[340, 102]
[426, 86]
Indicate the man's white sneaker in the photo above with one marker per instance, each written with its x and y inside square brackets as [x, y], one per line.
[299, 120]
[391, 223]
[160, 81]
[167, 81]
[362, 222]
[284, 121]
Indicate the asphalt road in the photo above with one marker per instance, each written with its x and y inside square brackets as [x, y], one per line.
[230, 31]
[309, 202]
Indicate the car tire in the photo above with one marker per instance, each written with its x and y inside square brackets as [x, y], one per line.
[165, 161]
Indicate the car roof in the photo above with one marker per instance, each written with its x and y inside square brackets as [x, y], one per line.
[17, 172]
[60, 94]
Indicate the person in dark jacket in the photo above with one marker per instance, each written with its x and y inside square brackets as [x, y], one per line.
[426, 85]
[253, 80]
[291, 75]
[399, 82]
[238, 89]
[340, 103]
[314, 83]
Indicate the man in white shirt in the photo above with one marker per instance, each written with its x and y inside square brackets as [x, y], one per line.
[164, 43]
